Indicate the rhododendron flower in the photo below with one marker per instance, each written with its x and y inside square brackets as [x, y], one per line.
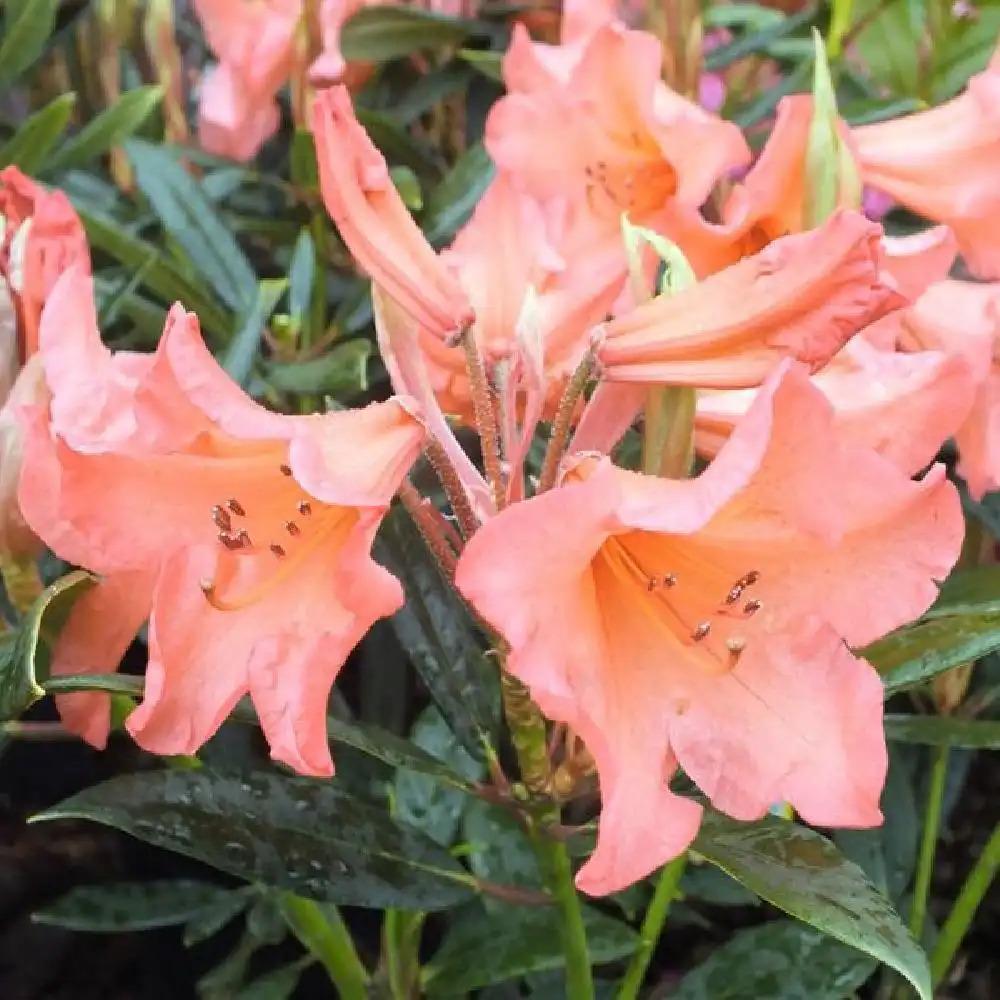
[40, 237]
[904, 406]
[942, 164]
[961, 318]
[701, 623]
[374, 223]
[803, 296]
[242, 535]
[609, 133]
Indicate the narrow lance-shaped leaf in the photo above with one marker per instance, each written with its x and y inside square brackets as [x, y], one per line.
[27, 25]
[802, 873]
[308, 837]
[28, 148]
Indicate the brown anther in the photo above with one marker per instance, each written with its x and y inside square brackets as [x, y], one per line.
[277, 549]
[670, 580]
[652, 583]
[735, 594]
[736, 644]
[286, 470]
[243, 539]
[751, 607]
[304, 507]
[292, 528]
[701, 631]
[230, 541]
[236, 507]
[748, 579]
[221, 519]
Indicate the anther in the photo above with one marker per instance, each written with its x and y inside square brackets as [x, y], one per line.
[292, 528]
[751, 607]
[735, 594]
[304, 507]
[736, 644]
[286, 470]
[748, 579]
[230, 541]
[221, 518]
[236, 507]
[670, 580]
[277, 549]
[243, 539]
[701, 631]
[652, 583]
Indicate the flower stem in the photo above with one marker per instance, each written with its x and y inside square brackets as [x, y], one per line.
[652, 927]
[323, 933]
[928, 842]
[562, 426]
[557, 872]
[964, 909]
[668, 442]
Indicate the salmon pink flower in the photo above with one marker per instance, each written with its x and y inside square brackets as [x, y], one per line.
[904, 406]
[630, 145]
[242, 535]
[961, 318]
[802, 296]
[942, 164]
[374, 223]
[701, 623]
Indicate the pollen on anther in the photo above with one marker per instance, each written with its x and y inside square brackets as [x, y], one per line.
[277, 549]
[286, 470]
[292, 528]
[751, 607]
[748, 579]
[304, 507]
[670, 580]
[734, 594]
[701, 631]
[236, 507]
[230, 541]
[243, 539]
[221, 519]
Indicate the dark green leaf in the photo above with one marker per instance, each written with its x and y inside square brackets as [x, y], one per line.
[916, 653]
[407, 185]
[308, 837]
[341, 371]
[970, 591]
[452, 202]
[28, 148]
[782, 960]
[378, 34]
[944, 731]
[498, 849]
[213, 918]
[802, 873]
[758, 41]
[371, 740]
[108, 129]
[424, 803]
[242, 351]
[429, 90]
[191, 219]
[27, 26]
[162, 276]
[486, 949]
[24, 653]
[301, 276]
[487, 62]
[437, 630]
[131, 906]
[396, 144]
[277, 985]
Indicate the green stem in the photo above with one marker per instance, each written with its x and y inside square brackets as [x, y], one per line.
[324, 934]
[928, 842]
[668, 442]
[557, 872]
[652, 927]
[969, 897]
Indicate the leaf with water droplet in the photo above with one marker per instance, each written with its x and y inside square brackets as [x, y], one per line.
[364, 857]
[802, 873]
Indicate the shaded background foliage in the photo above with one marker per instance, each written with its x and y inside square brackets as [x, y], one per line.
[89, 94]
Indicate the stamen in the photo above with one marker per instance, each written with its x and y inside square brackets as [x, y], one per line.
[292, 528]
[735, 594]
[751, 607]
[230, 541]
[243, 538]
[286, 470]
[221, 518]
[748, 579]
[277, 549]
[701, 631]
[236, 507]
[670, 580]
[304, 507]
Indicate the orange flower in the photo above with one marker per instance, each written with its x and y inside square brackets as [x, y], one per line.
[702, 622]
[942, 164]
[803, 296]
[374, 223]
[605, 131]
[243, 535]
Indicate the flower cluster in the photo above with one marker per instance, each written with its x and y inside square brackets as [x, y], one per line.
[703, 623]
